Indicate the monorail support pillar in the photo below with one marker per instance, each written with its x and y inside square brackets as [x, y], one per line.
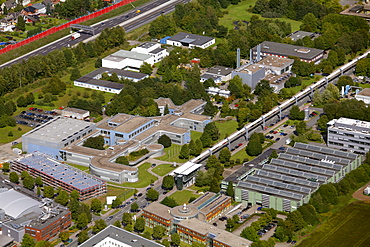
[246, 134]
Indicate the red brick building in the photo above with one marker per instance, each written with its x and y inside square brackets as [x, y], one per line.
[50, 227]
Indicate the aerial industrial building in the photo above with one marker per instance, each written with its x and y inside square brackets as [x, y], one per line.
[59, 175]
[189, 40]
[288, 181]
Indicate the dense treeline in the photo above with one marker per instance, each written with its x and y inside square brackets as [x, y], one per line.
[76, 8]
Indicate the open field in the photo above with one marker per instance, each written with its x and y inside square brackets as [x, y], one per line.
[145, 178]
[171, 154]
[239, 13]
[349, 227]
[4, 138]
[183, 196]
[162, 170]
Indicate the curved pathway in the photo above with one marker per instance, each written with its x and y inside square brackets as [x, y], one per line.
[360, 195]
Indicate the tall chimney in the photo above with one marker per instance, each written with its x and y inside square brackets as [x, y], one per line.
[238, 57]
[251, 56]
[258, 52]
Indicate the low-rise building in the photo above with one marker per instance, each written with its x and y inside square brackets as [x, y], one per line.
[277, 65]
[190, 40]
[274, 49]
[152, 49]
[350, 134]
[126, 60]
[220, 71]
[250, 74]
[296, 35]
[115, 236]
[364, 96]
[75, 113]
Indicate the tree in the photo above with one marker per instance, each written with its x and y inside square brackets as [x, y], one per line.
[139, 225]
[126, 219]
[6, 167]
[230, 223]
[169, 202]
[152, 195]
[117, 224]
[64, 236]
[134, 207]
[184, 152]
[322, 123]
[83, 236]
[225, 155]
[96, 205]
[295, 113]
[24, 174]
[49, 192]
[21, 24]
[82, 221]
[165, 141]
[99, 225]
[168, 182]
[28, 241]
[212, 130]
[301, 127]
[75, 74]
[254, 147]
[62, 198]
[74, 194]
[13, 177]
[116, 203]
[273, 155]
[230, 189]
[10, 133]
[249, 233]
[158, 232]
[123, 160]
[206, 140]
[38, 181]
[5, 10]
[94, 142]
[146, 68]
[29, 183]
[175, 239]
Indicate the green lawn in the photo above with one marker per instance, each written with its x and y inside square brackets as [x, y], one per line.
[115, 191]
[183, 196]
[82, 168]
[305, 83]
[241, 154]
[239, 13]
[145, 178]
[171, 154]
[349, 227]
[226, 128]
[4, 138]
[164, 169]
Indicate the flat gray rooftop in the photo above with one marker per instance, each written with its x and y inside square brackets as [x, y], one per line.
[120, 235]
[58, 129]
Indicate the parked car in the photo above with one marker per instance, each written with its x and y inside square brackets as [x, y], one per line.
[110, 217]
[278, 139]
[282, 148]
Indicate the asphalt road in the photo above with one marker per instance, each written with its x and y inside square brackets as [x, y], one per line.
[129, 20]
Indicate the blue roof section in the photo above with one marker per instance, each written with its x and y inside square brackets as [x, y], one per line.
[59, 171]
[164, 40]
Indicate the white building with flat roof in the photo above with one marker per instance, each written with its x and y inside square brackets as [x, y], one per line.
[153, 49]
[126, 59]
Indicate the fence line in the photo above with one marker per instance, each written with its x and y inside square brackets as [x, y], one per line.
[64, 26]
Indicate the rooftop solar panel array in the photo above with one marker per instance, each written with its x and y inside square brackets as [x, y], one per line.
[306, 160]
[269, 190]
[293, 172]
[302, 167]
[277, 184]
[285, 178]
[325, 150]
[60, 171]
[318, 156]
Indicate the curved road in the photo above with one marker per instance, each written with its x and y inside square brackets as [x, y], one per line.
[129, 20]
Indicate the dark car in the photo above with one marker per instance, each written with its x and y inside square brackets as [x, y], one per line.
[215, 224]
[110, 217]
[140, 194]
[278, 139]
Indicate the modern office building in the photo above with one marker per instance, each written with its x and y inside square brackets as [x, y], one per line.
[126, 60]
[59, 175]
[364, 95]
[269, 48]
[152, 49]
[349, 134]
[190, 40]
[113, 236]
[288, 181]
[191, 221]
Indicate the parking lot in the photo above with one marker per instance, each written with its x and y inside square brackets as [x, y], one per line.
[35, 117]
